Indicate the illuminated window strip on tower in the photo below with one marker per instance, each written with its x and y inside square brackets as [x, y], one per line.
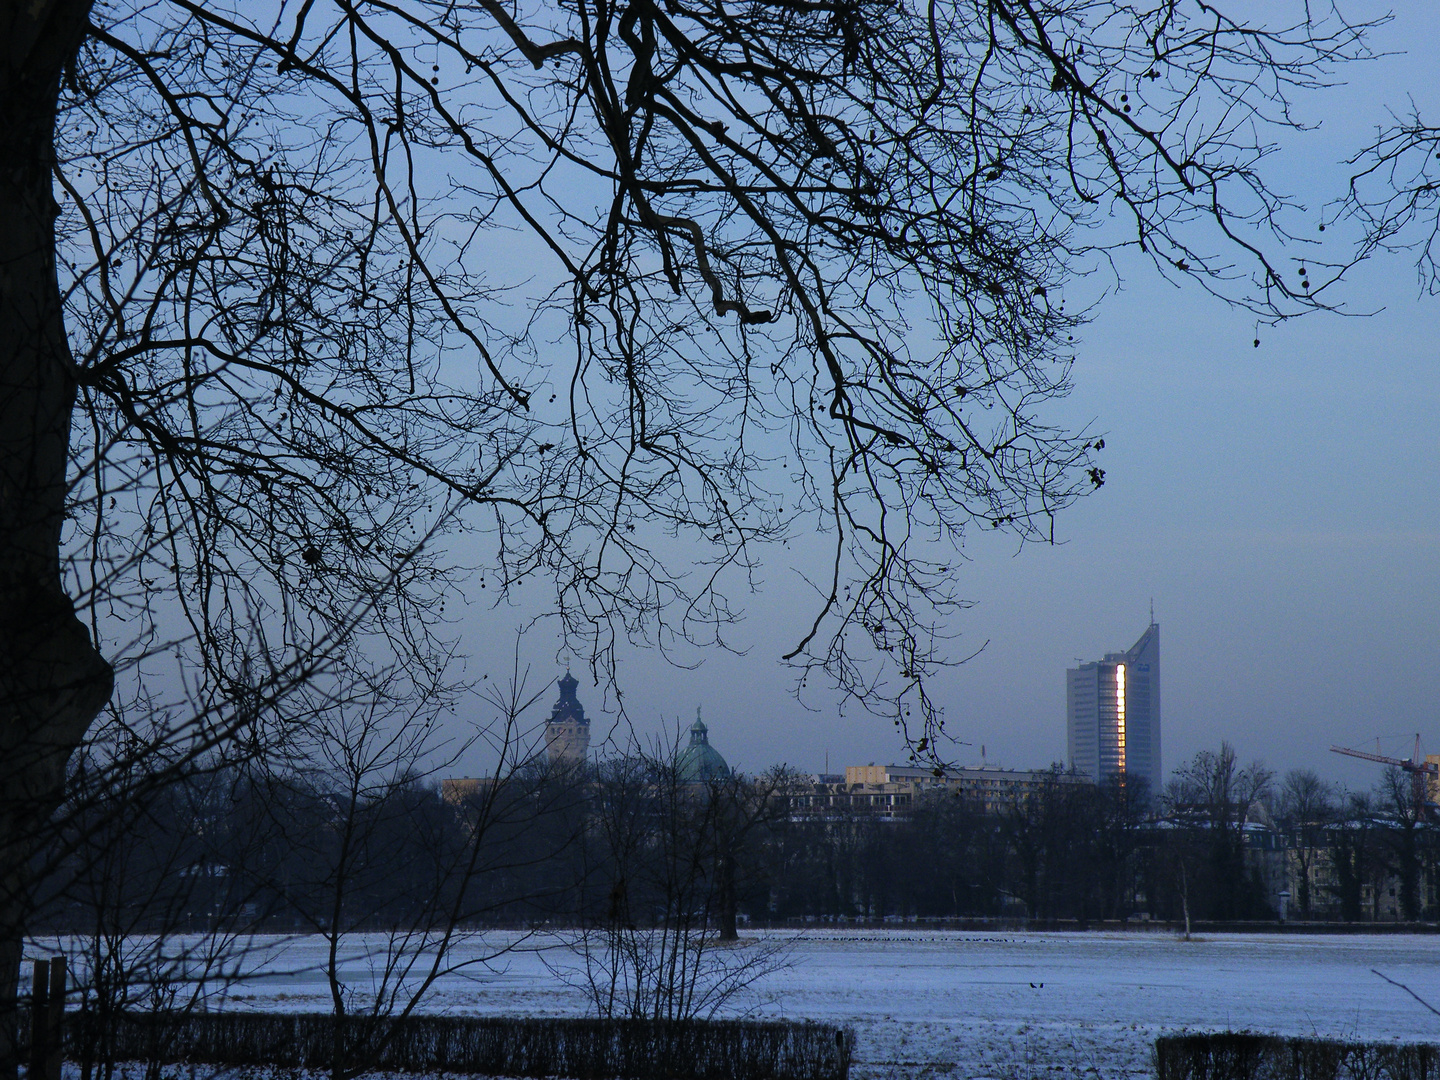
[1120, 714]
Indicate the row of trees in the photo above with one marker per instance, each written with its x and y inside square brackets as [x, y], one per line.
[1221, 842]
[166, 875]
[1340, 846]
[632, 877]
[366, 840]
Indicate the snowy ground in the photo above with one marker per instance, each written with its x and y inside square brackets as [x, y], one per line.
[1012, 1006]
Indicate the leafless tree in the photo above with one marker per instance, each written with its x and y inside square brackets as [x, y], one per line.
[338, 832]
[154, 876]
[1354, 856]
[1214, 783]
[395, 877]
[1212, 797]
[668, 853]
[763, 265]
[1034, 824]
[1307, 804]
[1406, 839]
[139, 892]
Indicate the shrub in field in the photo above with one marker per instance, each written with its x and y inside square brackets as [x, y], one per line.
[1241, 1055]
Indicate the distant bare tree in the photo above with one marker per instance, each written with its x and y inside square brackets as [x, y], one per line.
[745, 810]
[1307, 805]
[141, 893]
[1216, 793]
[669, 854]
[1123, 802]
[1401, 800]
[1214, 783]
[1354, 855]
[1036, 826]
[393, 877]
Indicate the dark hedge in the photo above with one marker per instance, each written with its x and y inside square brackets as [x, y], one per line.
[578, 1049]
[1235, 1055]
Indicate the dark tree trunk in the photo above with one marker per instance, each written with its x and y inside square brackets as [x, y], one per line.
[1349, 872]
[729, 902]
[1305, 859]
[1408, 869]
[52, 681]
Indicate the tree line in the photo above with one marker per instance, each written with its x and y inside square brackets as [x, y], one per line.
[628, 845]
[1221, 842]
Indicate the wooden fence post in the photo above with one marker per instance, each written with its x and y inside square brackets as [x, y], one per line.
[39, 1020]
[47, 1019]
[55, 1029]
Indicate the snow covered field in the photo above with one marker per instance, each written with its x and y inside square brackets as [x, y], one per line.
[955, 1004]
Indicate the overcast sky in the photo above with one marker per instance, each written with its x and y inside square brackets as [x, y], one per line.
[1278, 503]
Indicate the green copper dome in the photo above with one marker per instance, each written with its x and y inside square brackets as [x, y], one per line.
[700, 762]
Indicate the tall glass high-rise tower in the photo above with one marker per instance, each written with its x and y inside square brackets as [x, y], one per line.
[1113, 713]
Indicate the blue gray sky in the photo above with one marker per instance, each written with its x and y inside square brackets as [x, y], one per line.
[1279, 504]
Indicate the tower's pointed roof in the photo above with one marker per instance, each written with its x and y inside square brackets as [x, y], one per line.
[568, 709]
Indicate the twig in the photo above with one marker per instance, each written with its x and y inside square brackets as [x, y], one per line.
[1407, 989]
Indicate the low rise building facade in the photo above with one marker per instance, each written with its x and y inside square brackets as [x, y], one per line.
[892, 791]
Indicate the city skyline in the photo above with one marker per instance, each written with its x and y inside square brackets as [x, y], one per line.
[1277, 502]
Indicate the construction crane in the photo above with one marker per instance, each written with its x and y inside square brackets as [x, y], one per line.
[1420, 772]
